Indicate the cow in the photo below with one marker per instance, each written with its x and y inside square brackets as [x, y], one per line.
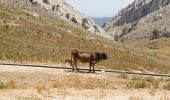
[86, 57]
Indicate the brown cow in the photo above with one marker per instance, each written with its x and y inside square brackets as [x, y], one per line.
[86, 57]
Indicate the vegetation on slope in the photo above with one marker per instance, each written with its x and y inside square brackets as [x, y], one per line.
[26, 38]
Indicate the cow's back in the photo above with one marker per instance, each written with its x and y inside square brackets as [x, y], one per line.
[85, 56]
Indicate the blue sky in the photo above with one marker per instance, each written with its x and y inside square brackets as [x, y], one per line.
[99, 8]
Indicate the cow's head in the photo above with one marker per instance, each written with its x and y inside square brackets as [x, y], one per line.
[104, 56]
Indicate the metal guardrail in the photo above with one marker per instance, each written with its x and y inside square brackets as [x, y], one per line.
[98, 70]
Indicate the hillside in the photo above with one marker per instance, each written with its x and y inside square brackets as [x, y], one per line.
[46, 38]
[100, 20]
[143, 27]
[58, 8]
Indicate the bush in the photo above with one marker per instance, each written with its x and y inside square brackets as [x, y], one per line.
[139, 82]
[68, 16]
[84, 23]
[2, 85]
[33, 2]
[116, 38]
[96, 29]
[74, 20]
[10, 85]
[136, 84]
[155, 34]
[166, 33]
[167, 86]
[124, 76]
[46, 1]
[125, 31]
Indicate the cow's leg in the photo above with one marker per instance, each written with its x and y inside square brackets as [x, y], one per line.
[90, 67]
[76, 65]
[72, 66]
[93, 68]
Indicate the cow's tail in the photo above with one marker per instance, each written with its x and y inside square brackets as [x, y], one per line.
[71, 59]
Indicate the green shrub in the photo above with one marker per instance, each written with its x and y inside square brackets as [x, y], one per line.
[74, 20]
[2, 85]
[68, 16]
[125, 31]
[155, 34]
[8, 85]
[136, 84]
[124, 76]
[96, 29]
[46, 1]
[128, 29]
[116, 38]
[167, 86]
[84, 23]
[140, 82]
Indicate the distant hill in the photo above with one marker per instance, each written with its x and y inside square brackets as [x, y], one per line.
[100, 20]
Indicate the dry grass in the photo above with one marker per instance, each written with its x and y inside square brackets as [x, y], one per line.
[31, 97]
[164, 98]
[136, 84]
[124, 76]
[43, 89]
[82, 82]
[48, 39]
[136, 98]
[167, 86]
[9, 85]
[140, 82]
[152, 91]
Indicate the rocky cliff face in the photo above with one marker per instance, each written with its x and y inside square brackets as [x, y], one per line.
[135, 11]
[58, 8]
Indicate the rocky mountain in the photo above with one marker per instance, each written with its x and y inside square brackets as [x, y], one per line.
[135, 11]
[101, 20]
[129, 22]
[58, 8]
[144, 28]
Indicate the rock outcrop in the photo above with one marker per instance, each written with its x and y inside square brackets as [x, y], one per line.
[135, 11]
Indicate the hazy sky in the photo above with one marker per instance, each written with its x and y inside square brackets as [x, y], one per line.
[99, 8]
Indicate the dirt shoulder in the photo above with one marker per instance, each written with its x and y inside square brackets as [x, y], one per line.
[57, 84]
